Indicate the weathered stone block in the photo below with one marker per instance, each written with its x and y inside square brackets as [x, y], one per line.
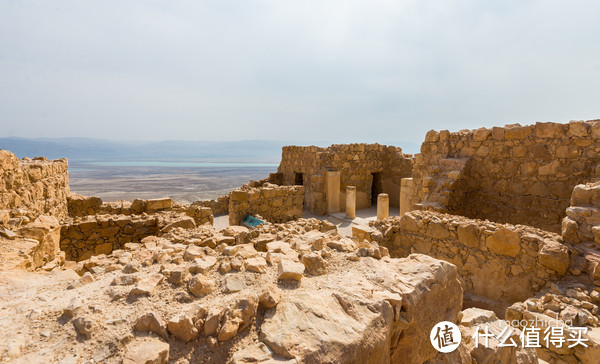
[288, 269]
[554, 256]
[505, 242]
[158, 204]
[468, 234]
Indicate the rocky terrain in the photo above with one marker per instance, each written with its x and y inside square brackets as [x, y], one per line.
[158, 281]
[296, 292]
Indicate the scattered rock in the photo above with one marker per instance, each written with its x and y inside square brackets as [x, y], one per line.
[176, 275]
[87, 278]
[73, 309]
[269, 296]
[83, 326]
[200, 285]
[287, 269]
[203, 265]
[181, 327]
[147, 351]
[257, 264]
[151, 322]
[147, 285]
[234, 284]
[125, 280]
[315, 264]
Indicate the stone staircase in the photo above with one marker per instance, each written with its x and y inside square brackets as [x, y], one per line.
[439, 186]
[581, 228]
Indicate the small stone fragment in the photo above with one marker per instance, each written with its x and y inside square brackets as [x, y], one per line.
[200, 285]
[203, 265]
[73, 308]
[87, 278]
[228, 330]
[269, 296]
[314, 263]
[257, 264]
[176, 275]
[148, 351]
[83, 326]
[181, 327]
[151, 322]
[147, 285]
[234, 284]
[287, 269]
[125, 280]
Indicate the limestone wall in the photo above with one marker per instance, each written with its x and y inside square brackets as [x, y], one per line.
[220, 206]
[80, 206]
[501, 262]
[356, 164]
[37, 185]
[273, 203]
[516, 174]
[92, 235]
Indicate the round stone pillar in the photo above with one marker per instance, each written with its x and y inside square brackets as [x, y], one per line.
[383, 206]
[351, 202]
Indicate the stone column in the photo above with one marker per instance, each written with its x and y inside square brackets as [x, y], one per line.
[406, 190]
[350, 202]
[383, 206]
[332, 181]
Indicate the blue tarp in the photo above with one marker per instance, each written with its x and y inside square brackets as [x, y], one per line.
[251, 222]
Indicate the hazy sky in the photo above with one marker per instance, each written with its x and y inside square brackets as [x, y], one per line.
[311, 70]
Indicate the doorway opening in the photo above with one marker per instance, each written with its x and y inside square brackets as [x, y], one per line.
[299, 179]
[376, 187]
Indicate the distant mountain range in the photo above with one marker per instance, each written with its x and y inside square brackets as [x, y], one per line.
[88, 149]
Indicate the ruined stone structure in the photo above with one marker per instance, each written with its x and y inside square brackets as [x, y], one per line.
[371, 168]
[515, 174]
[477, 243]
[93, 235]
[38, 186]
[271, 202]
[220, 206]
[500, 262]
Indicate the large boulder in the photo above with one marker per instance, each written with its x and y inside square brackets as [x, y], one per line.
[381, 312]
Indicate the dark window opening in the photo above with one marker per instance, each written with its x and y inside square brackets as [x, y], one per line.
[376, 187]
[299, 179]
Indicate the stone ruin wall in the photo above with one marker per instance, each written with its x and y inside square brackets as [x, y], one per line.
[513, 174]
[273, 203]
[220, 206]
[500, 262]
[36, 185]
[80, 206]
[94, 235]
[99, 228]
[356, 163]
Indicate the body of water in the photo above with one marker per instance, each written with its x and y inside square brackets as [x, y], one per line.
[183, 164]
